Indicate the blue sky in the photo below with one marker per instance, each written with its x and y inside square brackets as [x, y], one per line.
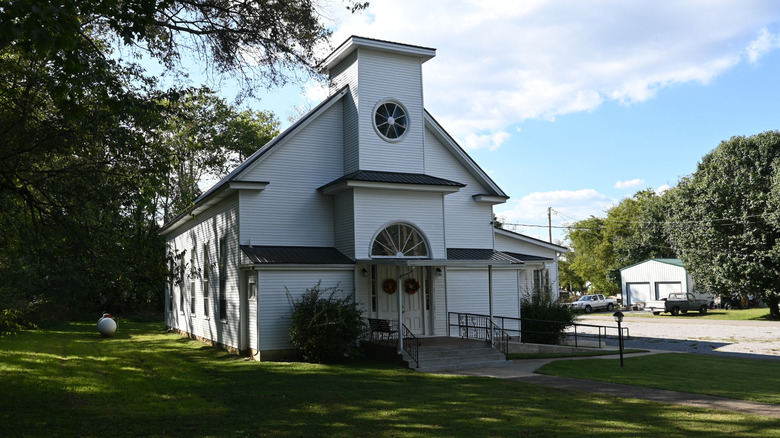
[576, 105]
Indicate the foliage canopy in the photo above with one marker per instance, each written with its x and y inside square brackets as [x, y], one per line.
[724, 221]
[94, 154]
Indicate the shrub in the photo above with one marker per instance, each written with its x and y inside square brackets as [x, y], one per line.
[544, 321]
[325, 324]
[11, 321]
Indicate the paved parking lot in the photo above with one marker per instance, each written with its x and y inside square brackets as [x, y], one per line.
[760, 339]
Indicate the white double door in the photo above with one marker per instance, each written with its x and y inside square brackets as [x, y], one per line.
[413, 306]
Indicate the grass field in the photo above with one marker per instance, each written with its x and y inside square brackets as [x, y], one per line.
[761, 314]
[68, 381]
[745, 379]
[720, 314]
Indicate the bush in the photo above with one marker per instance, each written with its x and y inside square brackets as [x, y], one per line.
[11, 321]
[324, 326]
[544, 321]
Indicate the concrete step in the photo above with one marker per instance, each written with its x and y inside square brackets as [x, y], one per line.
[442, 354]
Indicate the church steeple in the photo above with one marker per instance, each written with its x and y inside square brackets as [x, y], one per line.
[383, 120]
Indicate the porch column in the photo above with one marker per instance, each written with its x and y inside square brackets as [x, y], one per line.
[490, 290]
[400, 311]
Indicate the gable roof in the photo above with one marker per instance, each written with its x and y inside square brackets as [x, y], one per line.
[527, 257]
[532, 240]
[355, 42]
[221, 189]
[673, 262]
[463, 158]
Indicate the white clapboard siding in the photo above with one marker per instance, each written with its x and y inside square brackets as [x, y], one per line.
[506, 300]
[530, 246]
[399, 78]
[207, 229]
[290, 211]
[659, 275]
[276, 307]
[468, 223]
[467, 290]
[346, 73]
[377, 208]
[344, 231]
[439, 299]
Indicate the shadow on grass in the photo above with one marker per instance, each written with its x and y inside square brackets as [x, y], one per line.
[70, 383]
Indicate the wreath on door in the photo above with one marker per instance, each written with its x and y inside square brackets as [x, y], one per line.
[412, 286]
[390, 286]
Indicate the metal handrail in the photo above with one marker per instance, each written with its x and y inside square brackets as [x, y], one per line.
[499, 339]
[388, 333]
[472, 325]
[411, 348]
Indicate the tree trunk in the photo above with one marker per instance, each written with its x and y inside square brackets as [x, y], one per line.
[772, 301]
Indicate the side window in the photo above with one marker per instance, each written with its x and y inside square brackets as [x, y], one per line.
[192, 297]
[206, 279]
[222, 279]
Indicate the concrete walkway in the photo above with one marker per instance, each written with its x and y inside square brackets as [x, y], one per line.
[523, 371]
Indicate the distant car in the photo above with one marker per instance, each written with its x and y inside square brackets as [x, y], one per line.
[676, 303]
[589, 303]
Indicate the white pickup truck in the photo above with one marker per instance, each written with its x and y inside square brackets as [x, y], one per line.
[589, 303]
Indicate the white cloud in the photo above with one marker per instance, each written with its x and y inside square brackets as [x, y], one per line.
[660, 190]
[628, 184]
[529, 213]
[765, 43]
[501, 62]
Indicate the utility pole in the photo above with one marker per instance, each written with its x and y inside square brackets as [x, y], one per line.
[549, 222]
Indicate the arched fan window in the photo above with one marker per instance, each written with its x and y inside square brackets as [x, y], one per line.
[399, 240]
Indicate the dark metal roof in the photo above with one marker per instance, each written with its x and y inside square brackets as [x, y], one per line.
[295, 255]
[527, 257]
[394, 177]
[480, 254]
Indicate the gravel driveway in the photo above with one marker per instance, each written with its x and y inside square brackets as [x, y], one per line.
[759, 339]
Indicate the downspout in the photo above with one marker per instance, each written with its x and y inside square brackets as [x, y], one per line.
[490, 290]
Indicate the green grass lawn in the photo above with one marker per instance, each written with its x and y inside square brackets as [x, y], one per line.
[68, 381]
[733, 315]
[745, 379]
[716, 314]
[584, 353]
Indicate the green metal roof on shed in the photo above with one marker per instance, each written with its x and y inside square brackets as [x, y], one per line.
[674, 262]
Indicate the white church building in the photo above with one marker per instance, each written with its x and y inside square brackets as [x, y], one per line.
[367, 192]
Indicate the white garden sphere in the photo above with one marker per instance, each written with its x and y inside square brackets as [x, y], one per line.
[107, 326]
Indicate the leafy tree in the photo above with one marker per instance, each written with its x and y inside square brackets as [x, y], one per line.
[84, 168]
[593, 253]
[632, 231]
[206, 138]
[724, 220]
[567, 278]
[325, 323]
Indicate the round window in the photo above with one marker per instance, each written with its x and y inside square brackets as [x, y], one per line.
[390, 120]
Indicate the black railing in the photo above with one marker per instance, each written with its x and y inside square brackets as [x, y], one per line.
[411, 345]
[499, 339]
[386, 331]
[474, 326]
